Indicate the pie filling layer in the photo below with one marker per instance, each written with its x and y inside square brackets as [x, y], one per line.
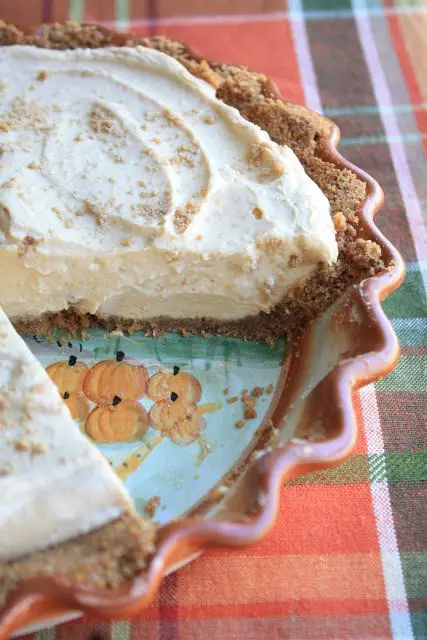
[128, 189]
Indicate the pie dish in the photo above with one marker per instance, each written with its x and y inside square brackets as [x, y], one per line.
[311, 407]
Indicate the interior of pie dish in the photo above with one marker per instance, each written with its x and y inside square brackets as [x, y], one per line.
[337, 339]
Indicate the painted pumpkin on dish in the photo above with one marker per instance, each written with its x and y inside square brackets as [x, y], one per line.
[69, 377]
[179, 383]
[178, 421]
[123, 421]
[111, 379]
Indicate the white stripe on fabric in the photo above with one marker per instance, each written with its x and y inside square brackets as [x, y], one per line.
[304, 57]
[400, 619]
[397, 149]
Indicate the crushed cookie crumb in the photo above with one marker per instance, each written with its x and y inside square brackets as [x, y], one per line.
[126, 242]
[261, 157]
[207, 119]
[35, 164]
[269, 389]
[183, 217]
[293, 261]
[239, 424]
[225, 391]
[232, 400]
[102, 120]
[171, 117]
[249, 413]
[185, 154]
[36, 448]
[151, 115]
[20, 445]
[340, 223]
[29, 241]
[42, 75]
[152, 505]
[257, 213]
[257, 392]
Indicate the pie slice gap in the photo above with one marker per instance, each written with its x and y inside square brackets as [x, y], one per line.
[63, 510]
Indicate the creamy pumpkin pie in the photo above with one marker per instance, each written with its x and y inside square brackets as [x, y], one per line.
[141, 187]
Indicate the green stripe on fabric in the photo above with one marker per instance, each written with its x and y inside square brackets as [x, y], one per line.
[411, 332]
[409, 300]
[410, 375]
[370, 110]
[120, 630]
[122, 10]
[397, 466]
[46, 634]
[414, 565]
[406, 466]
[326, 5]
[381, 139]
[77, 10]
[419, 625]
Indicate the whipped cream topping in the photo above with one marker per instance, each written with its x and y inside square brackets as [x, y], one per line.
[54, 485]
[127, 188]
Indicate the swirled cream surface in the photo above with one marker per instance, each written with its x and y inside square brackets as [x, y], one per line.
[54, 485]
[128, 189]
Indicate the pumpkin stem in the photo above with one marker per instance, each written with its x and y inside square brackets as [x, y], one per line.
[119, 356]
[72, 361]
[116, 401]
[175, 370]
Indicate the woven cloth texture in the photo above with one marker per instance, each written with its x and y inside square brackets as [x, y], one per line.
[348, 557]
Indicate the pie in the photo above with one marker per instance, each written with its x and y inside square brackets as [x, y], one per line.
[143, 188]
[62, 508]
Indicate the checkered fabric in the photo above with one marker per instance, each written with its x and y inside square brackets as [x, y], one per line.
[348, 557]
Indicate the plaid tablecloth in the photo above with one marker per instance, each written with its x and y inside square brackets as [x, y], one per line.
[348, 557]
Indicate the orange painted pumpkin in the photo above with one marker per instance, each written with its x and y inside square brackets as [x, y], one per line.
[176, 420]
[176, 384]
[111, 379]
[68, 377]
[122, 422]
